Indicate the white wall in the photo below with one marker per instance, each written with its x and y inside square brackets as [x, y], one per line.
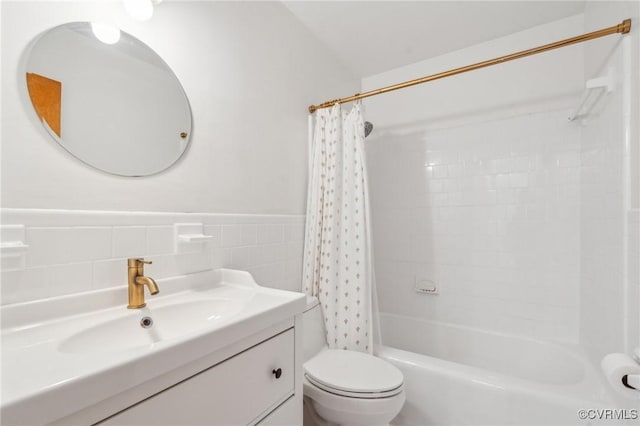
[475, 184]
[610, 186]
[249, 71]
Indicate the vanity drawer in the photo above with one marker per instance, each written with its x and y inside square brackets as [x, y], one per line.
[238, 391]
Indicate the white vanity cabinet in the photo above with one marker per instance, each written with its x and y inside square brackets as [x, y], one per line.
[219, 350]
[241, 390]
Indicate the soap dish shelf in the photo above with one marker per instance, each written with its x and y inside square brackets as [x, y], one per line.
[595, 90]
[190, 237]
[13, 249]
[194, 238]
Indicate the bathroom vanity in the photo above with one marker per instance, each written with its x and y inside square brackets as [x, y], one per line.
[243, 389]
[211, 348]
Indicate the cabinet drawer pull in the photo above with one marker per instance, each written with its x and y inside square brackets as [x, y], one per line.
[277, 373]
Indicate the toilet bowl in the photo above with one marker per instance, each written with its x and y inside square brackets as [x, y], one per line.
[344, 387]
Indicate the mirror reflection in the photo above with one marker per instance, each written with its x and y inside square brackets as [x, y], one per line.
[114, 104]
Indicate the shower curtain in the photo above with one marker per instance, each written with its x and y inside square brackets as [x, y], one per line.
[337, 266]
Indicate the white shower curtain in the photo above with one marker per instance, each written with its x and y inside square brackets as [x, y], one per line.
[337, 253]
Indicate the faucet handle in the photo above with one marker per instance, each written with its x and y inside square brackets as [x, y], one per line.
[136, 262]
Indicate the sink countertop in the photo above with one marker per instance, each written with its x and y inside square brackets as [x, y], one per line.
[54, 357]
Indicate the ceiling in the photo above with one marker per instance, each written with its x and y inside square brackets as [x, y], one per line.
[370, 37]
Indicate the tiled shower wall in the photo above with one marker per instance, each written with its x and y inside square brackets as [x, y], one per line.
[77, 251]
[610, 292]
[490, 212]
[602, 251]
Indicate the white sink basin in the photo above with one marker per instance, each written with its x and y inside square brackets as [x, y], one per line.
[69, 353]
[114, 335]
[145, 327]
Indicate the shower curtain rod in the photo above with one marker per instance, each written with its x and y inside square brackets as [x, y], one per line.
[621, 28]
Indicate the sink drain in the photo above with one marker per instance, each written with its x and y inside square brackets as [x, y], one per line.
[146, 322]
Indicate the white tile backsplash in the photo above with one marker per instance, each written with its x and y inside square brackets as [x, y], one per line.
[270, 233]
[48, 246]
[231, 236]
[215, 232]
[249, 235]
[129, 241]
[294, 232]
[22, 285]
[90, 243]
[109, 273]
[239, 257]
[160, 240]
[69, 278]
[75, 251]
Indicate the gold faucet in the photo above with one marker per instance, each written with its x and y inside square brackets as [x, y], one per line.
[137, 281]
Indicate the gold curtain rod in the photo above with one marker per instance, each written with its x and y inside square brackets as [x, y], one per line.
[621, 28]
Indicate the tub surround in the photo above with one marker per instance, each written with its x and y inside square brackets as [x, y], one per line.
[487, 211]
[610, 193]
[479, 193]
[65, 352]
[525, 222]
[518, 215]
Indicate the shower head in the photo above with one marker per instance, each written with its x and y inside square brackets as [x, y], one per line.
[368, 127]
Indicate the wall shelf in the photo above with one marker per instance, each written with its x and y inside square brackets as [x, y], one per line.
[189, 237]
[13, 249]
[194, 238]
[595, 89]
[12, 241]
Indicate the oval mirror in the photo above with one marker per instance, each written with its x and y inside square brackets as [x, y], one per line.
[114, 104]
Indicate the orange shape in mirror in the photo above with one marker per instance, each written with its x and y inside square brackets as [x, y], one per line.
[46, 97]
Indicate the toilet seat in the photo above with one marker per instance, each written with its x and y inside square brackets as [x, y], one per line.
[353, 374]
[364, 395]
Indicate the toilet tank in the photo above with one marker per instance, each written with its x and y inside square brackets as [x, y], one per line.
[313, 330]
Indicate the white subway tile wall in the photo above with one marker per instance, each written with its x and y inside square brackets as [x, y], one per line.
[489, 211]
[77, 251]
[633, 298]
[602, 296]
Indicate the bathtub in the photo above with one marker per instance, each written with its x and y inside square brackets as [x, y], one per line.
[464, 376]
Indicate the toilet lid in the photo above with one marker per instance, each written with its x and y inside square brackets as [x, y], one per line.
[353, 372]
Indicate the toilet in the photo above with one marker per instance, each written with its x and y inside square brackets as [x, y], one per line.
[345, 387]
